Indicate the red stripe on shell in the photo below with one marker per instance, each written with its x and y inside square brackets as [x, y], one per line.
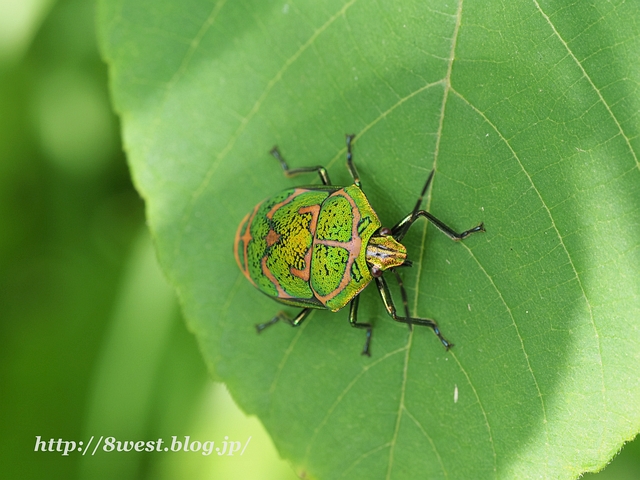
[273, 279]
[353, 247]
[296, 192]
[246, 238]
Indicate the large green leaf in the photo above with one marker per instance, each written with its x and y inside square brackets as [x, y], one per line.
[527, 110]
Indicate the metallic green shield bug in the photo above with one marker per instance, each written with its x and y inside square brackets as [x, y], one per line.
[320, 246]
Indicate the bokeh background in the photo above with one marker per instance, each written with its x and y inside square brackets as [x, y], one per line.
[91, 338]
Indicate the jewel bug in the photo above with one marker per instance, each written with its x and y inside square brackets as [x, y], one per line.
[319, 246]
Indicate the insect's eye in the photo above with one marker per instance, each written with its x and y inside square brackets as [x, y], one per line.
[376, 272]
[385, 231]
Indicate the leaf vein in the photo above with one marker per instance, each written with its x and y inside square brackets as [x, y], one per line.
[342, 394]
[447, 86]
[484, 413]
[588, 78]
[401, 407]
[286, 356]
[429, 439]
[558, 234]
[362, 457]
[380, 117]
[254, 110]
[524, 351]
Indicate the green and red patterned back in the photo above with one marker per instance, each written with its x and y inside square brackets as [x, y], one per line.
[306, 246]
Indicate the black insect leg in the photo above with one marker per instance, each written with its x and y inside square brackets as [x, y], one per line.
[385, 294]
[350, 164]
[403, 293]
[290, 172]
[400, 230]
[295, 322]
[353, 320]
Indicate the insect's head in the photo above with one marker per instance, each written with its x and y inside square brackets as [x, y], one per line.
[384, 252]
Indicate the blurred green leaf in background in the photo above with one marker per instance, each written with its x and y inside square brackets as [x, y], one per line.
[91, 339]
